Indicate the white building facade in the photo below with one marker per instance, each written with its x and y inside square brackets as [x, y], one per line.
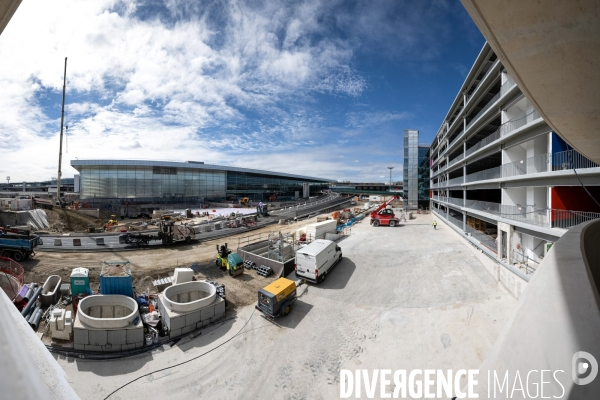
[502, 178]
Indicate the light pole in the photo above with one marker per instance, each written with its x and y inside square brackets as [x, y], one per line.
[390, 168]
[8, 179]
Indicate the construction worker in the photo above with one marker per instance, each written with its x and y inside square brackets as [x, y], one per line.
[434, 224]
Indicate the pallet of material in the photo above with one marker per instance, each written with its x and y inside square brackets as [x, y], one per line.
[163, 283]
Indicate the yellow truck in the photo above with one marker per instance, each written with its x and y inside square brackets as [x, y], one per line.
[276, 298]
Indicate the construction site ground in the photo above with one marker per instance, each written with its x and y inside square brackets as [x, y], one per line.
[408, 297]
[153, 263]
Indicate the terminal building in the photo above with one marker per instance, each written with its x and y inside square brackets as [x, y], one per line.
[140, 182]
[502, 177]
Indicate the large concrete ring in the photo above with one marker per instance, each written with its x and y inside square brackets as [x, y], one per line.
[110, 312]
[189, 296]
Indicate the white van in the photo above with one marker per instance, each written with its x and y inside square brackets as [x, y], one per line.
[314, 261]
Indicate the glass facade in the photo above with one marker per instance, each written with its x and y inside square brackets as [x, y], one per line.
[167, 182]
[415, 171]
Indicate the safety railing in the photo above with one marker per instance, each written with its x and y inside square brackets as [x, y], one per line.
[484, 142]
[455, 200]
[523, 262]
[492, 173]
[521, 120]
[571, 159]
[566, 219]
[507, 85]
[455, 221]
[455, 140]
[531, 165]
[484, 109]
[488, 241]
[456, 159]
[539, 216]
[488, 72]
[455, 181]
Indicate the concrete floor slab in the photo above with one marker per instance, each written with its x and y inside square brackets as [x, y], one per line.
[402, 298]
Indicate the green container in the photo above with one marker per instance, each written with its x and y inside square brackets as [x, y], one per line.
[80, 281]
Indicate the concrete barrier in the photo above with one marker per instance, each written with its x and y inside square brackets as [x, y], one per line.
[57, 242]
[76, 242]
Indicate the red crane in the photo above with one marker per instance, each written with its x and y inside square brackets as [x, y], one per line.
[383, 215]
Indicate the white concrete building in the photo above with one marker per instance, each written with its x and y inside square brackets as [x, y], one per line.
[503, 178]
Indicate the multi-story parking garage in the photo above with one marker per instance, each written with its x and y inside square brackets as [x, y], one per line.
[500, 174]
[109, 181]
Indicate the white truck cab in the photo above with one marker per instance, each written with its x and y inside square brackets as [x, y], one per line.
[314, 261]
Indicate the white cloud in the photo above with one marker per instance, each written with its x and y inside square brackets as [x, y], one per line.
[233, 75]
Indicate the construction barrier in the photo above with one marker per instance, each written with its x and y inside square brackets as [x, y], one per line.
[76, 242]
[57, 242]
[100, 241]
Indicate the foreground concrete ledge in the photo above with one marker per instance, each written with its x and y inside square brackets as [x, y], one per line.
[558, 316]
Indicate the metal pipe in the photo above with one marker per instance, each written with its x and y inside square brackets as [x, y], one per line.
[34, 313]
[37, 316]
[31, 302]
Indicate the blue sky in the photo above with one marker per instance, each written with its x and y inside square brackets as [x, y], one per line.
[320, 87]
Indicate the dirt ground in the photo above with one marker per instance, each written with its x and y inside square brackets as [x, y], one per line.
[150, 264]
[63, 220]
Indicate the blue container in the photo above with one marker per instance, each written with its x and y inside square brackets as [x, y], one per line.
[115, 278]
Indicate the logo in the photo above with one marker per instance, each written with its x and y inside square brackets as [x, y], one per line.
[584, 368]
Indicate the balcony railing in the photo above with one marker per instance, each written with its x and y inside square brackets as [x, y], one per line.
[454, 141]
[544, 217]
[531, 165]
[486, 240]
[455, 200]
[455, 181]
[506, 86]
[492, 173]
[521, 120]
[491, 138]
[564, 160]
[455, 221]
[488, 72]
[571, 159]
[456, 159]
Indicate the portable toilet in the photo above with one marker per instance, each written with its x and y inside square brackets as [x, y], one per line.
[80, 281]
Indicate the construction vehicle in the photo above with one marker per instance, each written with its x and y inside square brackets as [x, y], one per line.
[384, 215]
[262, 210]
[273, 197]
[276, 298]
[18, 244]
[44, 203]
[136, 238]
[232, 262]
[245, 201]
[170, 233]
[112, 221]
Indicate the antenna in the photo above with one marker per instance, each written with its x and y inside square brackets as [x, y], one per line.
[62, 120]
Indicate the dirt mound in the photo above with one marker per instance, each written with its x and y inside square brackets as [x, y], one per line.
[64, 220]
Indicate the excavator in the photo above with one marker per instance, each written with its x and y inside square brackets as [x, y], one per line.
[245, 202]
[383, 215]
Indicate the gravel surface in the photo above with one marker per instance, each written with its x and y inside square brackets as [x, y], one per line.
[402, 298]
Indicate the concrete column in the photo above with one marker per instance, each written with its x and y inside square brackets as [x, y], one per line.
[508, 230]
[464, 222]
[464, 172]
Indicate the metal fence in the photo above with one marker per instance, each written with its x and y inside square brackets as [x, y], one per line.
[490, 103]
[571, 159]
[492, 173]
[454, 200]
[486, 240]
[455, 181]
[531, 165]
[484, 142]
[456, 159]
[521, 120]
[544, 217]
[455, 221]
[507, 85]
[489, 71]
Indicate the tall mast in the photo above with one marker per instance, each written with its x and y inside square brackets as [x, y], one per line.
[62, 120]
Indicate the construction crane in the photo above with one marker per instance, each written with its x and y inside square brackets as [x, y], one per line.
[383, 215]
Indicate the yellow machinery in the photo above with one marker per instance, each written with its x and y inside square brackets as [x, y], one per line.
[245, 201]
[276, 298]
[232, 262]
[113, 221]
